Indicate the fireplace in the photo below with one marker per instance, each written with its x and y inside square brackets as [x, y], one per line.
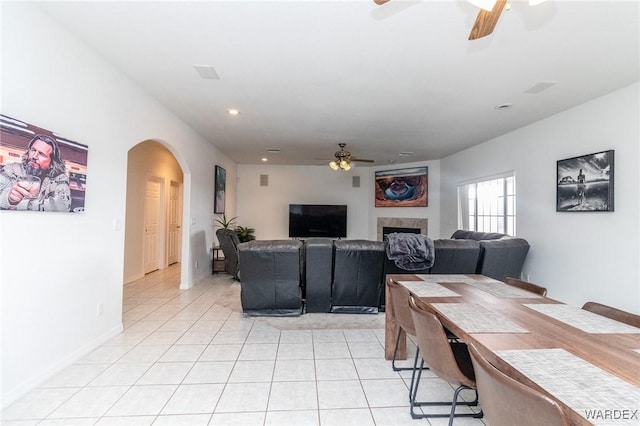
[401, 224]
[386, 230]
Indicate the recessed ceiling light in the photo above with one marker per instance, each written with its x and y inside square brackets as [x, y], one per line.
[233, 112]
[264, 159]
[503, 106]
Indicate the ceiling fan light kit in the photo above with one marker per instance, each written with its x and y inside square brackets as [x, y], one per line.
[344, 160]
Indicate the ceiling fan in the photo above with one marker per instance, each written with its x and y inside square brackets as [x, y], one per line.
[344, 159]
[490, 11]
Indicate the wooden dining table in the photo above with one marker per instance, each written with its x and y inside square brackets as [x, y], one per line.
[539, 341]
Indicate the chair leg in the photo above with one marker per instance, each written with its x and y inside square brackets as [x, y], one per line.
[453, 404]
[413, 392]
[413, 403]
[413, 373]
[455, 401]
[395, 351]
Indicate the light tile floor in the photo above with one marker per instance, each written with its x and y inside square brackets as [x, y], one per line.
[185, 359]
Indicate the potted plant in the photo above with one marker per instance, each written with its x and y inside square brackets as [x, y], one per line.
[245, 233]
[224, 223]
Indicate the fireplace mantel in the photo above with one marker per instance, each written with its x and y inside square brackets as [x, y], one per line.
[402, 222]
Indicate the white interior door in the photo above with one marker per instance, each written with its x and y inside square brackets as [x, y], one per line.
[151, 226]
[174, 236]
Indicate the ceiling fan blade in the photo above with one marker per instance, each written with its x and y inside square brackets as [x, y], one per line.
[486, 21]
[362, 160]
[380, 1]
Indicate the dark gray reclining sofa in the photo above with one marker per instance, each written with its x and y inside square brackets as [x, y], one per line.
[468, 252]
[279, 276]
[499, 256]
[343, 276]
[271, 277]
[491, 254]
[330, 276]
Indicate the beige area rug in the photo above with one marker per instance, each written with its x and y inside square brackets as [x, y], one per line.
[226, 292]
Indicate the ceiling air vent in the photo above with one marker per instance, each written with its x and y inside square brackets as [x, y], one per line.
[540, 87]
[207, 72]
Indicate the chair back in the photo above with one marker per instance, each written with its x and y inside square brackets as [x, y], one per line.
[229, 241]
[506, 402]
[399, 296]
[437, 351]
[613, 313]
[527, 286]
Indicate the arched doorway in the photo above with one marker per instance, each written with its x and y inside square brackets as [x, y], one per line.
[154, 211]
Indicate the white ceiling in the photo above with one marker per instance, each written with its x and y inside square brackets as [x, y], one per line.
[306, 75]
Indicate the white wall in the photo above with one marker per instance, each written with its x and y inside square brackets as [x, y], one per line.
[577, 256]
[56, 268]
[267, 208]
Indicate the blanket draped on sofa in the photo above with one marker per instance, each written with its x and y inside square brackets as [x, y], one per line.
[410, 252]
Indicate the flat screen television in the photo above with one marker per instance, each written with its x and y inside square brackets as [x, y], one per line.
[317, 220]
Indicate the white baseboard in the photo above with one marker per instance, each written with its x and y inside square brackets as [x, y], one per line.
[23, 388]
[195, 280]
[132, 278]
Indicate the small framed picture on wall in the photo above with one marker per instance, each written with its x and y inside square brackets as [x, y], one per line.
[220, 189]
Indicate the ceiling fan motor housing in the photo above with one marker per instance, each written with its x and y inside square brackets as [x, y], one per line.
[342, 154]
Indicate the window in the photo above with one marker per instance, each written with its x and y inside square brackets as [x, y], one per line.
[488, 205]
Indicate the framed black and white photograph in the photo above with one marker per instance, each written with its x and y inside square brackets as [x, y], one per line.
[220, 189]
[585, 183]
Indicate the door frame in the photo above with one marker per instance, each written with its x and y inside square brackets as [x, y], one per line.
[162, 226]
[179, 186]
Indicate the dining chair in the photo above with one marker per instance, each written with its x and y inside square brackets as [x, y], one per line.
[527, 286]
[450, 361]
[613, 313]
[506, 402]
[399, 296]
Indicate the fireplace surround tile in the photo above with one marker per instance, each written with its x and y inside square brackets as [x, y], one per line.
[401, 222]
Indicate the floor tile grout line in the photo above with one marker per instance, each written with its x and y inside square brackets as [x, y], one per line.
[203, 299]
